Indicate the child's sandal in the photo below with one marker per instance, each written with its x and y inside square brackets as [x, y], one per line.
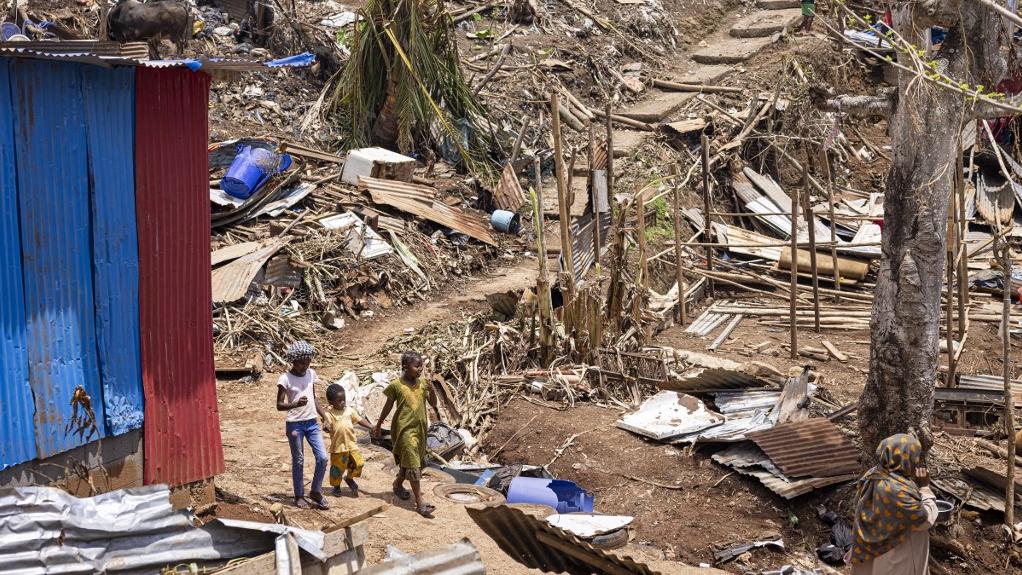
[426, 511]
[402, 493]
[301, 503]
[318, 502]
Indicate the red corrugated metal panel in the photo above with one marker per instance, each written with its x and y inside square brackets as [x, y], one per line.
[182, 426]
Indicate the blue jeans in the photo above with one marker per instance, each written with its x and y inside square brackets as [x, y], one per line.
[309, 430]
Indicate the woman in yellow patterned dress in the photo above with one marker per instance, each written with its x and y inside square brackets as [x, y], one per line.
[409, 394]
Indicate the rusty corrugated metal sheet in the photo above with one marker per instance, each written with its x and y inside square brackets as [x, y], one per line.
[133, 50]
[534, 543]
[420, 201]
[109, 99]
[17, 428]
[747, 459]
[182, 426]
[509, 194]
[809, 448]
[462, 558]
[53, 199]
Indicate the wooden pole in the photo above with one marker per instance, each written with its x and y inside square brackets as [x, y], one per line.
[825, 169]
[679, 276]
[543, 297]
[639, 303]
[610, 155]
[952, 242]
[707, 232]
[811, 223]
[1009, 402]
[564, 209]
[594, 200]
[794, 270]
[962, 248]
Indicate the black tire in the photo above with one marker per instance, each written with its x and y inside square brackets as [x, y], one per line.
[612, 540]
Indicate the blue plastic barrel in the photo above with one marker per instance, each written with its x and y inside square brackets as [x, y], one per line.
[505, 221]
[250, 170]
[563, 495]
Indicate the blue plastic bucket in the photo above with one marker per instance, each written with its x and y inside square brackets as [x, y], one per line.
[564, 496]
[505, 221]
[252, 168]
[9, 30]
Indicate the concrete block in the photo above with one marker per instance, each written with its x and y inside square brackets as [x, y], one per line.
[766, 23]
[731, 51]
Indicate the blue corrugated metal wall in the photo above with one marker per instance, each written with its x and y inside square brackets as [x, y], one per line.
[17, 430]
[53, 195]
[109, 96]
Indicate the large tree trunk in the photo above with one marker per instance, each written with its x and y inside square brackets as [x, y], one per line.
[924, 132]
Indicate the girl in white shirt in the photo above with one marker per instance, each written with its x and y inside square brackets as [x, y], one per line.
[296, 395]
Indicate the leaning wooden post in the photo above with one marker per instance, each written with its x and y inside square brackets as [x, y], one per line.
[962, 249]
[639, 303]
[707, 232]
[562, 197]
[792, 316]
[1009, 401]
[544, 299]
[811, 224]
[610, 154]
[825, 168]
[679, 274]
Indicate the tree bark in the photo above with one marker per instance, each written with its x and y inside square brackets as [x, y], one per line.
[898, 396]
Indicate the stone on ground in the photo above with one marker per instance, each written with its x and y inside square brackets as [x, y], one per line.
[658, 106]
[766, 23]
[703, 75]
[731, 51]
[627, 142]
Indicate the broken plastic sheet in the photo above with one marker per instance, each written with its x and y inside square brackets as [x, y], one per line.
[46, 530]
[669, 415]
[362, 240]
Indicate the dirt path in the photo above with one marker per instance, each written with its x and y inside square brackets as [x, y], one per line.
[258, 459]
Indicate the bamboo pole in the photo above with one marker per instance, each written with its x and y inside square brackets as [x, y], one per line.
[707, 233]
[794, 269]
[681, 313]
[564, 209]
[610, 153]
[825, 170]
[811, 222]
[543, 296]
[1009, 402]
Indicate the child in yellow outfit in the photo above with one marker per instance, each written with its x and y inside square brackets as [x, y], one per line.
[340, 420]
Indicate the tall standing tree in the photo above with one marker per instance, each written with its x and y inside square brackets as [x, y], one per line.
[936, 96]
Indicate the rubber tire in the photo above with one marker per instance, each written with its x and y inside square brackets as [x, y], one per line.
[612, 540]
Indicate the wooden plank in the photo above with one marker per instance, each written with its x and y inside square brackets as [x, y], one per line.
[265, 564]
[228, 253]
[356, 518]
[834, 351]
[725, 332]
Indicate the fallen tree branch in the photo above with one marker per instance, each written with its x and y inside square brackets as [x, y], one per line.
[879, 105]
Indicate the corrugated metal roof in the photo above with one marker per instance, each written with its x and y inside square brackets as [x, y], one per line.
[16, 408]
[537, 544]
[109, 100]
[182, 427]
[53, 196]
[813, 448]
[231, 281]
[462, 558]
[134, 50]
[131, 54]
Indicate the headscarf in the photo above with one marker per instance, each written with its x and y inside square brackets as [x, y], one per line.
[889, 504]
[299, 350]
